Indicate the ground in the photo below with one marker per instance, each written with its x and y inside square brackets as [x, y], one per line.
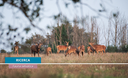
[70, 71]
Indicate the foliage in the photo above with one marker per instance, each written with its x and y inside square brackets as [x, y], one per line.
[123, 48]
[3, 51]
[64, 34]
[111, 49]
[33, 11]
[24, 49]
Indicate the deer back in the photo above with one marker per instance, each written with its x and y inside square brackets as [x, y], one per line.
[82, 48]
[99, 47]
[34, 48]
[62, 47]
[71, 50]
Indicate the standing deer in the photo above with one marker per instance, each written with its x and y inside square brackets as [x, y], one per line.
[81, 49]
[62, 47]
[98, 48]
[90, 49]
[16, 48]
[35, 49]
[71, 49]
[49, 50]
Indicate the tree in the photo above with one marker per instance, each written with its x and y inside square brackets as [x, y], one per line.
[33, 12]
[3, 51]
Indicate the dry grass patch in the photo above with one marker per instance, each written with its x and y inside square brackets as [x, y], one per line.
[60, 58]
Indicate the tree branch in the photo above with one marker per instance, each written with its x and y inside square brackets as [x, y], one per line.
[22, 10]
[93, 9]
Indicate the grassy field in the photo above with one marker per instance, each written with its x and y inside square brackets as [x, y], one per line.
[60, 58]
[70, 71]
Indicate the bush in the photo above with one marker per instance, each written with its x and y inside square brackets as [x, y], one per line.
[123, 48]
[112, 49]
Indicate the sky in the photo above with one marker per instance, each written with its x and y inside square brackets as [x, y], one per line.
[52, 9]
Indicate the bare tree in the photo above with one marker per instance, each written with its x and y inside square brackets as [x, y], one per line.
[117, 23]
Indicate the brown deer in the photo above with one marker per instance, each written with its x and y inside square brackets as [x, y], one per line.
[62, 47]
[81, 49]
[16, 48]
[49, 50]
[90, 49]
[98, 48]
[35, 49]
[71, 49]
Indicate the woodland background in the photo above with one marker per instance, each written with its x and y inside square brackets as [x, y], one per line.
[79, 31]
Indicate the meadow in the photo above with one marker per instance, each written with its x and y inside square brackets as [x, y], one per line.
[70, 71]
[60, 58]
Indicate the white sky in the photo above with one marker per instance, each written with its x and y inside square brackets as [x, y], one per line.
[51, 9]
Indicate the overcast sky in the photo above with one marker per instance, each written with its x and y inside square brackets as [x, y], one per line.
[51, 9]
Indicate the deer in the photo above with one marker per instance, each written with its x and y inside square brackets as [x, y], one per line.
[62, 47]
[35, 49]
[98, 48]
[90, 49]
[16, 48]
[48, 50]
[71, 49]
[81, 49]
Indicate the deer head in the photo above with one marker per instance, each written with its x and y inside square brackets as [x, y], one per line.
[67, 43]
[91, 43]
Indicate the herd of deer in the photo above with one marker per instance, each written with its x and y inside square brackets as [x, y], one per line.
[71, 49]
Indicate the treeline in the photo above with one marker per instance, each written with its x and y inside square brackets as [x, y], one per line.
[115, 41]
[123, 48]
[75, 35]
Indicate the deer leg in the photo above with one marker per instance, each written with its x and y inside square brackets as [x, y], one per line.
[65, 55]
[58, 51]
[88, 52]
[51, 52]
[93, 52]
[38, 54]
[17, 53]
[82, 53]
[75, 53]
[34, 54]
[104, 52]
[31, 53]
[47, 53]
[79, 54]
[97, 52]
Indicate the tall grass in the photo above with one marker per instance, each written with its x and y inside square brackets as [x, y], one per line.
[70, 71]
[60, 58]
[59, 71]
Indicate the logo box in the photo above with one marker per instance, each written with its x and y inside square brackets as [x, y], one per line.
[33, 60]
